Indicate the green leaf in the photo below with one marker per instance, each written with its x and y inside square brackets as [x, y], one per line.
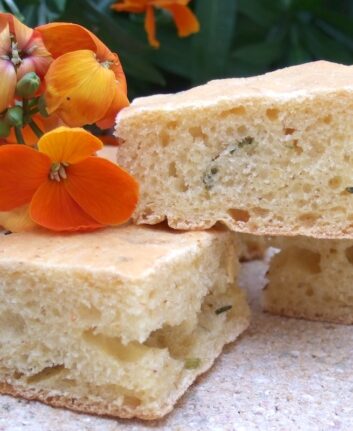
[262, 12]
[211, 46]
[259, 54]
[324, 47]
[297, 53]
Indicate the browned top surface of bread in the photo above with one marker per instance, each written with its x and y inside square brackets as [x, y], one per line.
[128, 251]
[294, 81]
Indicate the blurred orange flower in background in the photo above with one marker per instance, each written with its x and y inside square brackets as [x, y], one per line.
[85, 83]
[185, 20]
[21, 51]
[62, 186]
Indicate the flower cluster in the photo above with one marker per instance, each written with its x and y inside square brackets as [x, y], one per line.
[53, 80]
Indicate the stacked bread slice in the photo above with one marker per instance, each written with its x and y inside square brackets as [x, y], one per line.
[312, 279]
[263, 155]
[116, 322]
[267, 155]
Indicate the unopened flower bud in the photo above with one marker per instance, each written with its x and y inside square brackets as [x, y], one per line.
[28, 85]
[4, 129]
[14, 116]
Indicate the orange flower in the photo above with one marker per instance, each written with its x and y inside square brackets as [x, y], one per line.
[85, 83]
[66, 188]
[186, 22]
[21, 51]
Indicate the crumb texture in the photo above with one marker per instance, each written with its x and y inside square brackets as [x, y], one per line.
[263, 155]
[94, 335]
[311, 278]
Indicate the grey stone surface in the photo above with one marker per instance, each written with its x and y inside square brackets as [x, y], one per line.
[282, 374]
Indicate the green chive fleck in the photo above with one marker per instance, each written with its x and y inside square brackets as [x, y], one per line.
[192, 363]
[349, 189]
[223, 309]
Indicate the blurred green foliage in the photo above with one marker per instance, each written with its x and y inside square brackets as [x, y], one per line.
[237, 37]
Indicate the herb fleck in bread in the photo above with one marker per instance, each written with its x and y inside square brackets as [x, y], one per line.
[117, 322]
[311, 278]
[265, 155]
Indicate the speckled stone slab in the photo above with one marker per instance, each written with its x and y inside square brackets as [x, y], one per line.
[282, 374]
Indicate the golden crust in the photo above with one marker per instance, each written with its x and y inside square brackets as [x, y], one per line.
[302, 80]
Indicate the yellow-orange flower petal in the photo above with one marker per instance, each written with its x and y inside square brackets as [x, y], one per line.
[68, 145]
[53, 208]
[79, 88]
[5, 41]
[22, 32]
[22, 171]
[185, 20]
[150, 27]
[63, 37]
[103, 190]
[7, 84]
[17, 220]
[120, 101]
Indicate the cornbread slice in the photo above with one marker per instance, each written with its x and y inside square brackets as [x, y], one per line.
[311, 278]
[267, 155]
[117, 322]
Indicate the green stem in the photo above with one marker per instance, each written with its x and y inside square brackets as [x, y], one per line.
[33, 102]
[32, 112]
[19, 136]
[37, 131]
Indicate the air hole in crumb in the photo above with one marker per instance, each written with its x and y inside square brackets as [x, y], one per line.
[327, 298]
[242, 130]
[238, 110]
[229, 131]
[148, 212]
[272, 114]
[239, 214]
[17, 375]
[46, 373]
[309, 291]
[289, 131]
[196, 132]
[335, 182]
[172, 171]
[172, 125]
[327, 119]
[349, 254]
[307, 188]
[308, 219]
[131, 402]
[297, 148]
[165, 138]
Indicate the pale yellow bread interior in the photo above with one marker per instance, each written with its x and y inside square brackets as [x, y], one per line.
[263, 155]
[116, 322]
[311, 278]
